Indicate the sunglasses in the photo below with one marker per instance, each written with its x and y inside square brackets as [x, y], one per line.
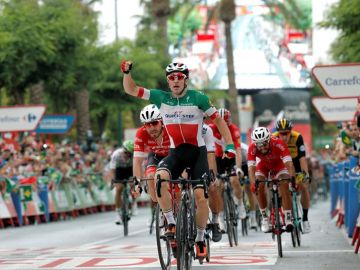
[261, 144]
[152, 124]
[179, 76]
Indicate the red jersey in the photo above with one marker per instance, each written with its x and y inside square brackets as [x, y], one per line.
[145, 143]
[220, 142]
[278, 153]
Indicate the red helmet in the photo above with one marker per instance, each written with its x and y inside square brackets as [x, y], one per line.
[225, 114]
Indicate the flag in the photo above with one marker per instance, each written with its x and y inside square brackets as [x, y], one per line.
[10, 185]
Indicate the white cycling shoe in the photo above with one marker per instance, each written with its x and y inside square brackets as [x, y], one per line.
[306, 227]
[265, 225]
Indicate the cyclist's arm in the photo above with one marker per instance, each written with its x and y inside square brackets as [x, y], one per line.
[251, 157]
[302, 154]
[137, 167]
[238, 158]
[212, 162]
[290, 167]
[223, 129]
[251, 172]
[130, 86]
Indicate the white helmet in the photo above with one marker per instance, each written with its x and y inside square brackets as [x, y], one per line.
[150, 113]
[260, 135]
[177, 67]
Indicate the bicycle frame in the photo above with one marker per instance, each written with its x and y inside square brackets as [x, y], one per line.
[231, 215]
[277, 216]
[185, 221]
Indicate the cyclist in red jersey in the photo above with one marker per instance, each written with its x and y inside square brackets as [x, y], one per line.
[273, 156]
[152, 143]
[234, 164]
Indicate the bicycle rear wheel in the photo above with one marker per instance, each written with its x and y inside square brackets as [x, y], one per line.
[234, 214]
[125, 211]
[153, 217]
[278, 228]
[244, 226]
[228, 220]
[163, 244]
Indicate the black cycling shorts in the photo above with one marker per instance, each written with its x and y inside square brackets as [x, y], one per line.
[225, 165]
[186, 156]
[122, 174]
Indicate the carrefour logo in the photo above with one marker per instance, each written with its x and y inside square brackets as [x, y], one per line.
[355, 80]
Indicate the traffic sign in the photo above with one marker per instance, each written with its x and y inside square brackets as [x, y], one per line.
[334, 110]
[55, 124]
[20, 118]
[339, 81]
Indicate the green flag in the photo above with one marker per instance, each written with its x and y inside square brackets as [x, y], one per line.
[10, 185]
[26, 193]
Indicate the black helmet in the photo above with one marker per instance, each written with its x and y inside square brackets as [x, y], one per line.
[284, 125]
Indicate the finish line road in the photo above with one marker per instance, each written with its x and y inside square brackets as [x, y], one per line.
[95, 242]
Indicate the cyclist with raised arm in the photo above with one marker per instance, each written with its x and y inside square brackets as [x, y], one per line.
[152, 143]
[274, 157]
[295, 143]
[121, 169]
[182, 112]
[234, 164]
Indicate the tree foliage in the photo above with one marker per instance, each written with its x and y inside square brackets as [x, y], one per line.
[345, 17]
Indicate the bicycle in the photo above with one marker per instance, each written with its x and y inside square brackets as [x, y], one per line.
[185, 220]
[125, 207]
[277, 216]
[245, 222]
[231, 214]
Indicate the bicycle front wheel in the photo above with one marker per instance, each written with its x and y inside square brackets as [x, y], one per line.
[163, 244]
[125, 212]
[228, 219]
[181, 236]
[278, 229]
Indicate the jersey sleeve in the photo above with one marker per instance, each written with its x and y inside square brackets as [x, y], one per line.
[113, 160]
[284, 152]
[156, 96]
[300, 146]
[235, 135]
[205, 105]
[251, 156]
[139, 144]
[209, 139]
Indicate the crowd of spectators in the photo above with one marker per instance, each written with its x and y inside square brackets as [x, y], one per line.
[35, 156]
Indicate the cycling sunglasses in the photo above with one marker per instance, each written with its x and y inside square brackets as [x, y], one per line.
[284, 133]
[179, 76]
[153, 123]
[262, 144]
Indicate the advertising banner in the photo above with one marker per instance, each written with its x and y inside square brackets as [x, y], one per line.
[339, 81]
[20, 118]
[334, 110]
[55, 124]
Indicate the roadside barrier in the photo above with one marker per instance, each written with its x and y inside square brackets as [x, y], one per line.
[31, 199]
[345, 198]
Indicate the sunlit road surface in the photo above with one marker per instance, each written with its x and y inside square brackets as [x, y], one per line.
[95, 242]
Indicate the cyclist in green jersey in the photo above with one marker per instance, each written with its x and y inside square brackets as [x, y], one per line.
[182, 111]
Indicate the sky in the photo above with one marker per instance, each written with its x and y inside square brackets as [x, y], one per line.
[126, 22]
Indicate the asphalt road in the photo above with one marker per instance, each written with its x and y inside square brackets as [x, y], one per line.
[95, 242]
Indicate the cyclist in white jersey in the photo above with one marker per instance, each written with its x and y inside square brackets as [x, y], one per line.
[182, 113]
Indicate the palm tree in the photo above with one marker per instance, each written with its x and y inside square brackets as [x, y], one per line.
[227, 15]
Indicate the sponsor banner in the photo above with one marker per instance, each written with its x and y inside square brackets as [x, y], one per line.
[55, 124]
[334, 110]
[339, 81]
[20, 118]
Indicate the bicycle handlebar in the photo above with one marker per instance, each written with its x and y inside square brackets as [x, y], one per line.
[183, 182]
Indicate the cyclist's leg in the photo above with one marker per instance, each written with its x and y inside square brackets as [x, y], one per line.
[169, 167]
[150, 174]
[286, 202]
[118, 201]
[305, 202]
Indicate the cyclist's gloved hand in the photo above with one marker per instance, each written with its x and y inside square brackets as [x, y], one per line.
[230, 151]
[239, 172]
[126, 66]
[137, 190]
